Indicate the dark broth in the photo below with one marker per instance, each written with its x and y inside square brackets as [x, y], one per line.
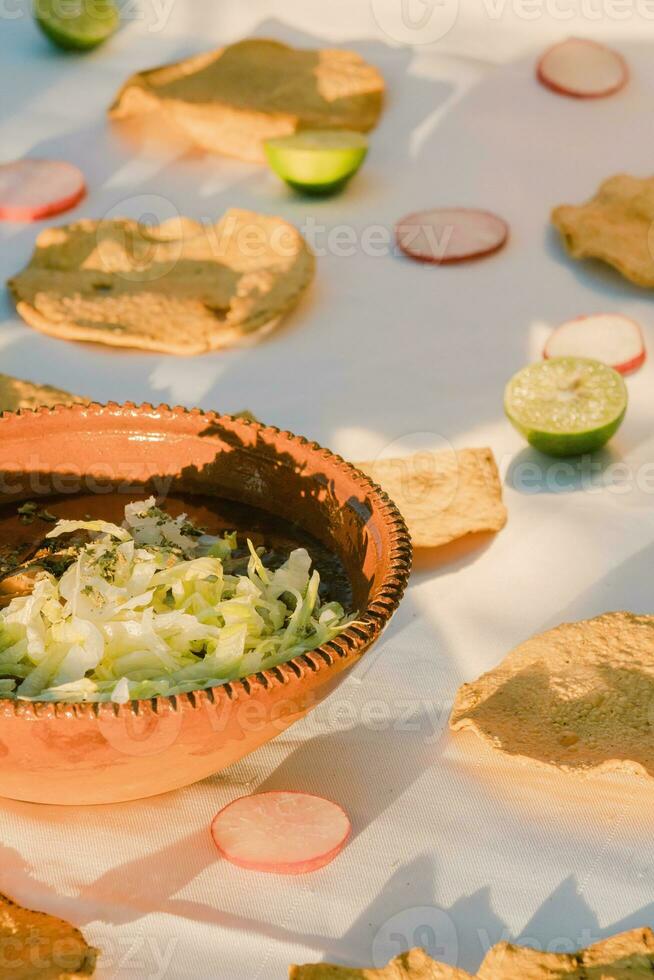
[20, 534]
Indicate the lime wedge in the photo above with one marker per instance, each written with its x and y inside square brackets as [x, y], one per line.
[317, 161]
[567, 405]
[77, 25]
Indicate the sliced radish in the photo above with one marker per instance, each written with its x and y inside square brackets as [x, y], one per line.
[32, 189]
[281, 832]
[583, 69]
[614, 339]
[450, 234]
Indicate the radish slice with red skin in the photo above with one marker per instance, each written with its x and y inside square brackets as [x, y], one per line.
[443, 235]
[281, 832]
[33, 189]
[612, 338]
[582, 69]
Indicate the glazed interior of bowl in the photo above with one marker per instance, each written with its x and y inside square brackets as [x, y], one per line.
[226, 472]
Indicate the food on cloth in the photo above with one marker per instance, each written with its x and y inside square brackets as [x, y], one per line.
[31, 189]
[232, 99]
[611, 338]
[443, 495]
[317, 161]
[181, 287]
[412, 965]
[566, 406]
[444, 235]
[614, 226]
[583, 69]
[154, 607]
[77, 25]
[577, 697]
[627, 956]
[38, 946]
[16, 394]
[281, 832]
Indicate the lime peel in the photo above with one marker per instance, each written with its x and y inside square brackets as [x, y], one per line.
[77, 25]
[317, 161]
[566, 406]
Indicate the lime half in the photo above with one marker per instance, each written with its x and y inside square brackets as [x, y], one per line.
[317, 161]
[77, 25]
[567, 405]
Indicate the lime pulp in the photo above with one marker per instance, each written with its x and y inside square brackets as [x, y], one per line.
[77, 25]
[566, 406]
[317, 161]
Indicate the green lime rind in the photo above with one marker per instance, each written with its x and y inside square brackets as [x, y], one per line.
[77, 25]
[317, 161]
[578, 445]
[566, 406]
[318, 190]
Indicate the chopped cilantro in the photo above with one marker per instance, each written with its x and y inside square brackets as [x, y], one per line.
[57, 564]
[27, 512]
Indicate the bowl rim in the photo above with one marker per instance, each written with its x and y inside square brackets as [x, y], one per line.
[347, 645]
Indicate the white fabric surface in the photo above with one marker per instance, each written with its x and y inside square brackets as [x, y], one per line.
[453, 847]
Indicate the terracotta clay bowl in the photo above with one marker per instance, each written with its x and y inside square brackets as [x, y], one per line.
[106, 753]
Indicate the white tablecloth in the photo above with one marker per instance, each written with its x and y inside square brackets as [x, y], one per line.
[453, 847]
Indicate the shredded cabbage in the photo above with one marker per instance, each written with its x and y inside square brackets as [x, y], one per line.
[157, 607]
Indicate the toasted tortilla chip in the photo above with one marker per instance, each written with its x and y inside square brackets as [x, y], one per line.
[577, 698]
[443, 496]
[629, 955]
[230, 100]
[247, 415]
[179, 287]
[614, 226]
[38, 946]
[413, 965]
[16, 394]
